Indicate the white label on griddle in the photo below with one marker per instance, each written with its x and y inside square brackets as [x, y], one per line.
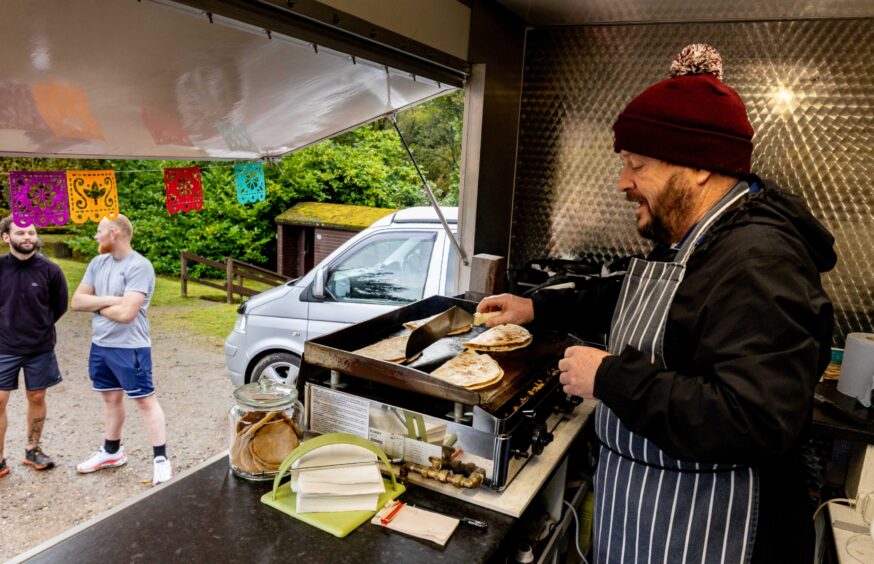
[419, 451]
[336, 412]
[392, 444]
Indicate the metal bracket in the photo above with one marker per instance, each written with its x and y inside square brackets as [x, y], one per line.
[430, 194]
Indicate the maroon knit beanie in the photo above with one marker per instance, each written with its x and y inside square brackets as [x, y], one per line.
[691, 119]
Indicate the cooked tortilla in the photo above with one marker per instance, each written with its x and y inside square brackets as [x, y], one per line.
[273, 442]
[413, 325]
[481, 318]
[469, 370]
[490, 383]
[262, 441]
[393, 349]
[502, 338]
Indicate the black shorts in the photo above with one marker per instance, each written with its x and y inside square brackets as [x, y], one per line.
[40, 371]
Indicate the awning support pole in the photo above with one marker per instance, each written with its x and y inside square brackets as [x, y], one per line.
[430, 194]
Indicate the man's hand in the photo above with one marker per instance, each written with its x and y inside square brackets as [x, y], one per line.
[513, 309]
[85, 300]
[578, 368]
[127, 309]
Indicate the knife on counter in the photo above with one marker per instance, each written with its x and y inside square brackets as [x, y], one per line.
[470, 522]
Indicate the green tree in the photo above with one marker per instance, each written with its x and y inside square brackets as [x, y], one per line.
[433, 130]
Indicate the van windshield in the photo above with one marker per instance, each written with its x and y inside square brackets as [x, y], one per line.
[387, 268]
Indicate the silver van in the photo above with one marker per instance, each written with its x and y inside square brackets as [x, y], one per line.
[401, 258]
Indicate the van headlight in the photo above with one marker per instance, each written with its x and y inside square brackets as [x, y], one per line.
[240, 324]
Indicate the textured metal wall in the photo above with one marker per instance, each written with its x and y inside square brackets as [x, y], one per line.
[577, 12]
[809, 90]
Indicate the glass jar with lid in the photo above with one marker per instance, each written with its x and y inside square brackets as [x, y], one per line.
[266, 424]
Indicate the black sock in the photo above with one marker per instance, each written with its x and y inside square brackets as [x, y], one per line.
[111, 447]
[160, 450]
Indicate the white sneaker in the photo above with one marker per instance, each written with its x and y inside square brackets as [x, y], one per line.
[163, 471]
[102, 459]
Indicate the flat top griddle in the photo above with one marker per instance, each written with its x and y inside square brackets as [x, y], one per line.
[521, 367]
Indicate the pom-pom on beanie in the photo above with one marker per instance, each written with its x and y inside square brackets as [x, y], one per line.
[691, 119]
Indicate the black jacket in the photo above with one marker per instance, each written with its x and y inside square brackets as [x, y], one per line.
[747, 337]
[33, 296]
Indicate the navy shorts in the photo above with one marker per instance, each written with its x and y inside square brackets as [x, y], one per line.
[40, 371]
[114, 369]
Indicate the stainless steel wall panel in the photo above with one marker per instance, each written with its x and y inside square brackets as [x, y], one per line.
[809, 91]
[577, 12]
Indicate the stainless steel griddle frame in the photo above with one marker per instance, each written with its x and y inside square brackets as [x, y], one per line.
[500, 425]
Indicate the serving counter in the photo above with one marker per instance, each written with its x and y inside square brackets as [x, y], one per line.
[209, 515]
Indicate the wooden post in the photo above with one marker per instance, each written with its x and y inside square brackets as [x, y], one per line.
[487, 274]
[183, 274]
[229, 278]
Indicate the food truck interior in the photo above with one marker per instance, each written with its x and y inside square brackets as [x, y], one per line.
[543, 82]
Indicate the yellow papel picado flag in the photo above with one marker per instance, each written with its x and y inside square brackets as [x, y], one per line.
[93, 195]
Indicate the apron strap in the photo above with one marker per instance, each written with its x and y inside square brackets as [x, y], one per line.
[691, 241]
[714, 469]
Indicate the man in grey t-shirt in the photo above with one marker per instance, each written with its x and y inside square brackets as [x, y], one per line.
[117, 288]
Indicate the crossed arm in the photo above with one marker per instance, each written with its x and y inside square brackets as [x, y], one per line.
[122, 309]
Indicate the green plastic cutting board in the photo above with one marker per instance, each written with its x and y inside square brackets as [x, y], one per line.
[341, 523]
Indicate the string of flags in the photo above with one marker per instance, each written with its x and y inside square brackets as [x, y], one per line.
[57, 197]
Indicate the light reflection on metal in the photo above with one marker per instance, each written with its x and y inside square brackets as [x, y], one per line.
[809, 92]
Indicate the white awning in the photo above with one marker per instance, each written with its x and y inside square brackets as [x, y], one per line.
[125, 79]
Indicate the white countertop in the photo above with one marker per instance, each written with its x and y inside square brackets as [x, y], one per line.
[852, 539]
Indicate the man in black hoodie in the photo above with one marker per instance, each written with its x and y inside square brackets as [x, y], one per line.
[33, 296]
[716, 342]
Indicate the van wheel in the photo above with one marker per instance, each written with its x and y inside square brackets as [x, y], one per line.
[280, 367]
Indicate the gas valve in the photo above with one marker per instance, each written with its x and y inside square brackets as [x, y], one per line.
[568, 403]
[540, 438]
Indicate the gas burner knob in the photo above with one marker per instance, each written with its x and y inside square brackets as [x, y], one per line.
[540, 438]
[568, 403]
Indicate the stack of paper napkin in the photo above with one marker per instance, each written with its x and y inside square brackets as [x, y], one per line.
[347, 480]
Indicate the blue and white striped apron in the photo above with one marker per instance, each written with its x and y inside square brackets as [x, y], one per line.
[650, 507]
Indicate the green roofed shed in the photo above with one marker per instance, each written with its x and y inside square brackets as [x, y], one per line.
[338, 216]
[310, 231]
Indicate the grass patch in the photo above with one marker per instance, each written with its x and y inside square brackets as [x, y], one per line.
[204, 312]
[207, 319]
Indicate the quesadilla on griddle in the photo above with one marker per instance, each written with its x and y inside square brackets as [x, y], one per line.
[413, 325]
[470, 370]
[393, 349]
[501, 338]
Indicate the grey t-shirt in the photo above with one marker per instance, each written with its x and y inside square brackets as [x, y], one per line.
[110, 277]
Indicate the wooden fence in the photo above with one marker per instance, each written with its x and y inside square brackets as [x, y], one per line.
[235, 273]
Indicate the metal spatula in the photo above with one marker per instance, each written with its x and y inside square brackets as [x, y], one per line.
[427, 334]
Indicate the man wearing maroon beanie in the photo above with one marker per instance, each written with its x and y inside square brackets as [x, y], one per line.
[716, 339]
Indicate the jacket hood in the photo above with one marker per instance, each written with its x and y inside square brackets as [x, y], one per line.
[775, 207]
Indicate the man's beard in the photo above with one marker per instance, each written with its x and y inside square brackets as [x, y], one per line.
[669, 211]
[19, 248]
[104, 248]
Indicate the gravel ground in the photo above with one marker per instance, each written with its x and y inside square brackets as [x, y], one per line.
[193, 390]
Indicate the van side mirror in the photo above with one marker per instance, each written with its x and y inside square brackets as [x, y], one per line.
[319, 284]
